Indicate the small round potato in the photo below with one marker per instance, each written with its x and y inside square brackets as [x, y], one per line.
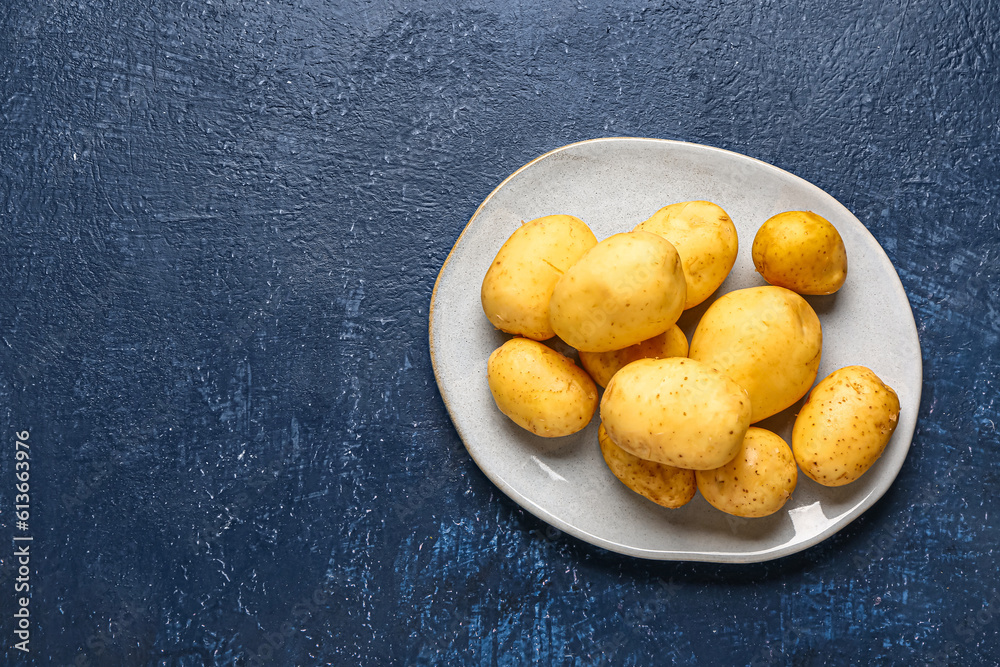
[603, 365]
[706, 240]
[676, 411]
[844, 426]
[757, 482]
[519, 283]
[626, 289]
[540, 389]
[802, 251]
[768, 339]
[664, 485]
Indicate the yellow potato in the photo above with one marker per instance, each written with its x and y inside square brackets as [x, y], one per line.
[519, 283]
[768, 339]
[844, 426]
[757, 482]
[664, 485]
[706, 240]
[676, 411]
[626, 289]
[603, 365]
[540, 389]
[802, 251]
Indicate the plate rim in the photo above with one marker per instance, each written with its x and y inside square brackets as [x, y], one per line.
[546, 516]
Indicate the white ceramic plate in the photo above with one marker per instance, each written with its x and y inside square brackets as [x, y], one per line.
[613, 184]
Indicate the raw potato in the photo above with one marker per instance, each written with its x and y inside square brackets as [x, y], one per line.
[519, 283]
[757, 482]
[603, 365]
[706, 240]
[664, 485]
[676, 411]
[844, 426]
[626, 289]
[540, 389]
[768, 339]
[802, 251]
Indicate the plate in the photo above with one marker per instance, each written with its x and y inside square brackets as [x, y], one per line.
[613, 184]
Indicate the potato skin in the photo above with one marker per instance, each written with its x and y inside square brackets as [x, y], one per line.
[664, 485]
[706, 240]
[540, 389]
[844, 426]
[802, 251]
[518, 285]
[768, 339]
[626, 289]
[603, 365]
[676, 411]
[757, 482]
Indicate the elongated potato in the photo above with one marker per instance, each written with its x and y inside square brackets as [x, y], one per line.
[519, 283]
[768, 339]
[603, 365]
[676, 411]
[802, 251]
[626, 289]
[706, 240]
[757, 482]
[844, 426]
[664, 485]
[540, 389]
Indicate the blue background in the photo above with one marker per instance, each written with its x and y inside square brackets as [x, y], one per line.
[221, 222]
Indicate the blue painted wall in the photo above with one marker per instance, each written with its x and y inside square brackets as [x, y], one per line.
[220, 225]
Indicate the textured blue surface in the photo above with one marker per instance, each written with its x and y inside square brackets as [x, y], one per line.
[221, 223]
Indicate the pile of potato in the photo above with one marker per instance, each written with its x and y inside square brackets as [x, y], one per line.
[676, 418]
